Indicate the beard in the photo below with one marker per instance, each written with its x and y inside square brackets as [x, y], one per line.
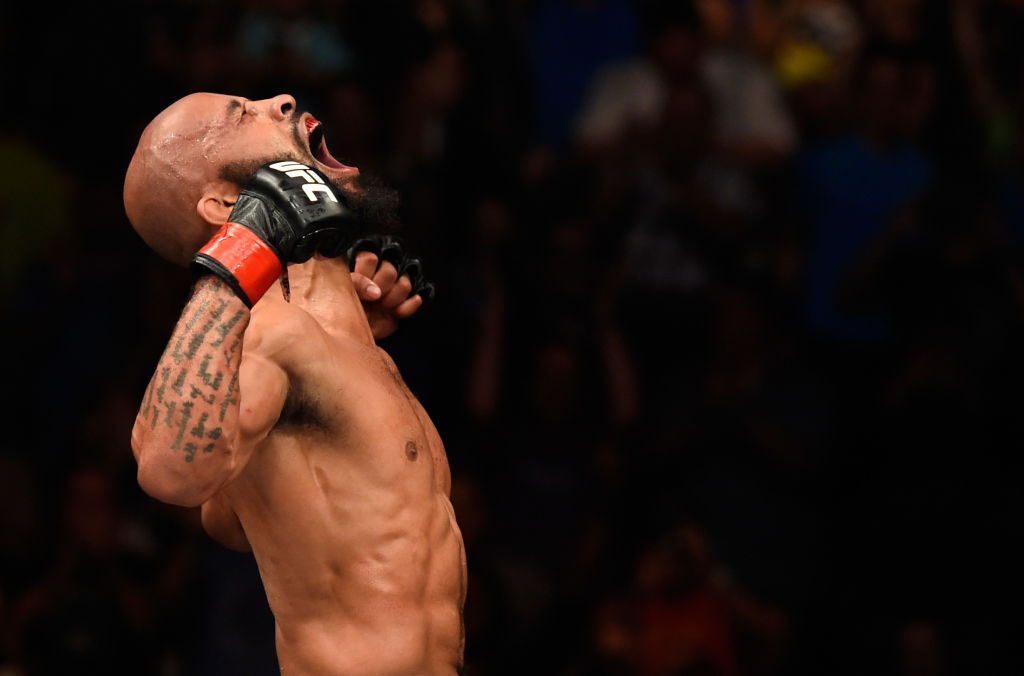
[374, 204]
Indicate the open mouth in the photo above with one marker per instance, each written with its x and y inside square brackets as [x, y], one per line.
[318, 144]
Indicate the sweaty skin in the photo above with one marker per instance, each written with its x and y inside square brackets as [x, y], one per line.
[298, 437]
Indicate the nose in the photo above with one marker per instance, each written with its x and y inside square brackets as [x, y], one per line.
[282, 107]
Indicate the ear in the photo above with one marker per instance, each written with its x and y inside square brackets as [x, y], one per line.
[217, 201]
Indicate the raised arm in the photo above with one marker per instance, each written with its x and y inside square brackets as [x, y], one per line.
[205, 409]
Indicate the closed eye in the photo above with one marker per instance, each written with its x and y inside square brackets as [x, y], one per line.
[233, 105]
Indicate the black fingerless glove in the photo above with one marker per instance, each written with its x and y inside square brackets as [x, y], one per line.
[392, 249]
[281, 216]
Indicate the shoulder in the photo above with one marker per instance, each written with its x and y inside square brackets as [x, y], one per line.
[310, 354]
[277, 327]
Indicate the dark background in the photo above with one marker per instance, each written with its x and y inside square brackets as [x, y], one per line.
[726, 351]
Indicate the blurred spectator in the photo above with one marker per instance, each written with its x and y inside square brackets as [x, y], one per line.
[626, 98]
[751, 123]
[921, 651]
[32, 227]
[757, 374]
[987, 36]
[88, 610]
[896, 22]
[818, 40]
[550, 379]
[748, 123]
[854, 189]
[297, 40]
[192, 47]
[569, 41]
[354, 128]
[813, 57]
[682, 613]
[432, 89]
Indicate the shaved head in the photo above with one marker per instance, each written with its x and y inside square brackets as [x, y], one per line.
[165, 180]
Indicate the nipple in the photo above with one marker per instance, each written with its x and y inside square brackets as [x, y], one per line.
[411, 451]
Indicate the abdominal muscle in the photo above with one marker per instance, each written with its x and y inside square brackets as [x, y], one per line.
[359, 551]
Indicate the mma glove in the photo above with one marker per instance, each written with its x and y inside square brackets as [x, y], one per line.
[392, 249]
[283, 213]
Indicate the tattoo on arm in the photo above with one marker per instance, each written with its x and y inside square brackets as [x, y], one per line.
[195, 384]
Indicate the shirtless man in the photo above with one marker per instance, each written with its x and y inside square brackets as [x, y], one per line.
[286, 422]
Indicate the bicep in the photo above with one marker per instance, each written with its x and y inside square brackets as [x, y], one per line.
[278, 346]
[263, 387]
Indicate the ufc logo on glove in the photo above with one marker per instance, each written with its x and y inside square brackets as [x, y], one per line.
[270, 226]
[314, 183]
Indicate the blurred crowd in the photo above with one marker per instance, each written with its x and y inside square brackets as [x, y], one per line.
[726, 352]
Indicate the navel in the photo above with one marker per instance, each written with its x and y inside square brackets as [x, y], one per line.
[411, 451]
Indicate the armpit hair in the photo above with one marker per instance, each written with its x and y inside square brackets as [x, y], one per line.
[301, 410]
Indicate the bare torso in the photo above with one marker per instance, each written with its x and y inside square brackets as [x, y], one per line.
[346, 503]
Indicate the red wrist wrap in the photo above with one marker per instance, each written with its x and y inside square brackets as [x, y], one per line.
[251, 260]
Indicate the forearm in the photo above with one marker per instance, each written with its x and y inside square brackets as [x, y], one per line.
[185, 437]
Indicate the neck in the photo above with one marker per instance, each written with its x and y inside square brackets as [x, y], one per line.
[323, 287]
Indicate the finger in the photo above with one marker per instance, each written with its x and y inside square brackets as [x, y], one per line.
[386, 276]
[398, 293]
[426, 290]
[365, 287]
[408, 307]
[366, 264]
[413, 269]
[369, 243]
[393, 250]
